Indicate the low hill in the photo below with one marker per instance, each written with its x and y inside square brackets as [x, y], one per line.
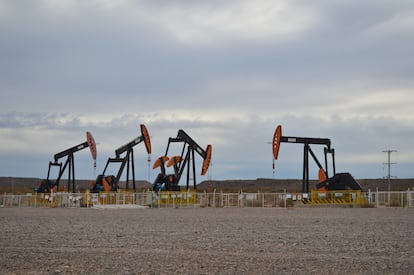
[295, 185]
[27, 185]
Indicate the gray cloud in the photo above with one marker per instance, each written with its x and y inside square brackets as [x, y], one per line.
[226, 72]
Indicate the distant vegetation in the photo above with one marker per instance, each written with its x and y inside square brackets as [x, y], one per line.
[295, 185]
[27, 185]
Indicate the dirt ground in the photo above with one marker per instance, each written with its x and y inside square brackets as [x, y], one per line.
[207, 241]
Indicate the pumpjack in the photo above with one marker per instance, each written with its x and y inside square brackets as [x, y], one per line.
[340, 181]
[170, 182]
[48, 185]
[111, 182]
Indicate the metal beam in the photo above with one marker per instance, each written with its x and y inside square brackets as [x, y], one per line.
[305, 140]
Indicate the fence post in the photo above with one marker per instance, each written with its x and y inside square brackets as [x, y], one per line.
[369, 196]
[263, 204]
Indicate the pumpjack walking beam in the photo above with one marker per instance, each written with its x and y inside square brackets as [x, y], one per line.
[278, 138]
[185, 160]
[128, 159]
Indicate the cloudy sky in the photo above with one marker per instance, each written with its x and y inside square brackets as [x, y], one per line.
[226, 72]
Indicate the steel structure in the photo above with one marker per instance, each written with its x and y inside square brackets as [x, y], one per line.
[170, 182]
[48, 185]
[307, 151]
[339, 181]
[110, 183]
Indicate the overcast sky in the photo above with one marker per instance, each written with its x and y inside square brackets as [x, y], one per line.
[226, 72]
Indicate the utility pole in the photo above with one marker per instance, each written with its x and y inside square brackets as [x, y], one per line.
[388, 163]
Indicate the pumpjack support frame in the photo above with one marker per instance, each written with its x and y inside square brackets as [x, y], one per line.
[185, 161]
[126, 160]
[47, 185]
[306, 141]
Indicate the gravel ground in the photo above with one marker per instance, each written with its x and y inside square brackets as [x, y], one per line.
[207, 241]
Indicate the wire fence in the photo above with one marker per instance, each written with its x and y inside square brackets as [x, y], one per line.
[404, 199]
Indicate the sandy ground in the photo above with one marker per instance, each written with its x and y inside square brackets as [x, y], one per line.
[207, 241]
